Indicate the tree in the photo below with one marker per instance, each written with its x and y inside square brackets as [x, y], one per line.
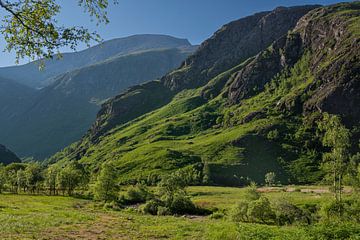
[51, 174]
[69, 178]
[31, 29]
[270, 178]
[105, 187]
[337, 139]
[33, 174]
[2, 178]
[251, 192]
[21, 180]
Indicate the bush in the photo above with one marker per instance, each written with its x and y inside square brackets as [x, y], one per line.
[181, 204]
[217, 215]
[287, 213]
[251, 192]
[332, 210]
[335, 230]
[239, 213]
[260, 210]
[152, 207]
[163, 211]
[113, 206]
[136, 194]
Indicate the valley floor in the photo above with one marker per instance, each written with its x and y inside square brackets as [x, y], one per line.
[61, 218]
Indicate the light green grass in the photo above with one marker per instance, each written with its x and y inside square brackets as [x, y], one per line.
[44, 217]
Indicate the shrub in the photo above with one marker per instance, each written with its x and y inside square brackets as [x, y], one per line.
[239, 213]
[270, 178]
[113, 206]
[152, 207]
[181, 204]
[251, 192]
[287, 213]
[332, 209]
[136, 194]
[273, 135]
[260, 210]
[217, 215]
[335, 230]
[163, 211]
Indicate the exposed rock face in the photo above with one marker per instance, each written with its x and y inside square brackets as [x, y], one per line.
[6, 156]
[228, 47]
[336, 62]
[336, 70]
[284, 53]
[234, 43]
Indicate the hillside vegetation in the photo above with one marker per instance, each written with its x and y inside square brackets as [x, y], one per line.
[38, 123]
[255, 117]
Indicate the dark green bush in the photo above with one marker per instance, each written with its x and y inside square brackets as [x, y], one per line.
[163, 211]
[152, 207]
[137, 194]
[260, 211]
[182, 204]
[217, 215]
[287, 213]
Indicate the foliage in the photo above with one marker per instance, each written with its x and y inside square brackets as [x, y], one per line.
[31, 28]
[288, 213]
[251, 192]
[106, 188]
[69, 178]
[137, 194]
[337, 138]
[260, 210]
[152, 207]
[270, 178]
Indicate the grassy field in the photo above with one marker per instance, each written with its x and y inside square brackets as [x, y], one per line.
[45, 217]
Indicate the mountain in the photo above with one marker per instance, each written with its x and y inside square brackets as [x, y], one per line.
[257, 116]
[30, 75]
[231, 45]
[60, 113]
[6, 156]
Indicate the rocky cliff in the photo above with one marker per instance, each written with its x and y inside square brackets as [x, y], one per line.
[231, 45]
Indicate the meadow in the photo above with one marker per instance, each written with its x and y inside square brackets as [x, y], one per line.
[57, 217]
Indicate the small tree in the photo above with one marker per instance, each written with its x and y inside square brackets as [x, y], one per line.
[270, 178]
[2, 178]
[33, 174]
[105, 187]
[50, 175]
[69, 178]
[337, 139]
[251, 192]
[21, 180]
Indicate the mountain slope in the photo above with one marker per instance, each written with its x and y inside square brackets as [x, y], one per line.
[234, 43]
[62, 112]
[30, 75]
[6, 156]
[14, 99]
[256, 117]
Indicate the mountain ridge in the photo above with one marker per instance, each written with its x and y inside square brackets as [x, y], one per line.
[256, 117]
[29, 74]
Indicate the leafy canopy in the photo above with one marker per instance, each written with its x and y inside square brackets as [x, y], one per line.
[30, 27]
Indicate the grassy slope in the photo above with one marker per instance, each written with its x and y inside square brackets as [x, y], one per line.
[42, 217]
[192, 130]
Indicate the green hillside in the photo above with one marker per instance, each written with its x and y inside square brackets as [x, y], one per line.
[254, 117]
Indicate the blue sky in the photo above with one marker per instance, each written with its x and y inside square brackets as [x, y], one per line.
[195, 20]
